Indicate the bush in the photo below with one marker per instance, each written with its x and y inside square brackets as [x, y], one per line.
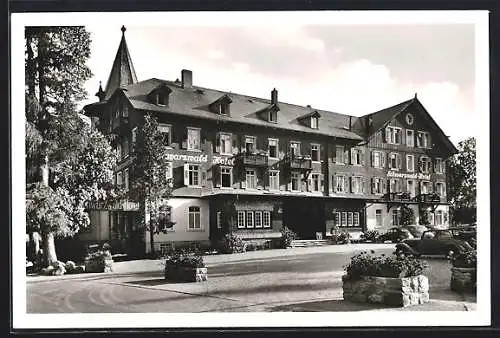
[395, 266]
[343, 238]
[370, 235]
[183, 258]
[287, 236]
[464, 259]
[70, 266]
[231, 243]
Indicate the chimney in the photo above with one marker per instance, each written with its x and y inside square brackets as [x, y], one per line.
[274, 96]
[187, 78]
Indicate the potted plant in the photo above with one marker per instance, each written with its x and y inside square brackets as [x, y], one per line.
[287, 237]
[183, 266]
[464, 271]
[394, 280]
[99, 260]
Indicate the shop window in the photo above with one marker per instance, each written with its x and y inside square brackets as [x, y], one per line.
[267, 219]
[226, 176]
[193, 139]
[273, 148]
[194, 218]
[315, 152]
[251, 179]
[274, 180]
[378, 217]
[166, 131]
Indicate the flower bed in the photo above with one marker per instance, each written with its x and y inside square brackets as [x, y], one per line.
[185, 267]
[389, 280]
[464, 272]
[100, 261]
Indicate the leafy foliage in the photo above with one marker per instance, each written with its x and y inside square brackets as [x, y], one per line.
[370, 235]
[287, 236]
[231, 243]
[407, 216]
[424, 218]
[461, 182]
[368, 264]
[467, 259]
[184, 258]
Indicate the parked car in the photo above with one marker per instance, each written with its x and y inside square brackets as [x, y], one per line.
[433, 242]
[467, 234]
[395, 235]
[416, 230]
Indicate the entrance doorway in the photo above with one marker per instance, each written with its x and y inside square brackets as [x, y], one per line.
[304, 216]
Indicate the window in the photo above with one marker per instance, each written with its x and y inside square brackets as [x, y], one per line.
[315, 182]
[250, 179]
[241, 219]
[410, 187]
[226, 143]
[274, 180]
[134, 138]
[294, 149]
[165, 248]
[249, 144]
[339, 184]
[315, 152]
[219, 219]
[356, 219]
[166, 131]
[356, 156]
[119, 151]
[378, 159]
[439, 167]
[169, 170]
[193, 141]
[377, 185]
[395, 185]
[226, 177]
[378, 217]
[410, 163]
[165, 217]
[314, 122]
[223, 108]
[125, 149]
[295, 181]
[425, 165]
[394, 161]
[395, 217]
[125, 178]
[273, 116]
[337, 219]
[343, 220]
[258, 219]
[439, 217]
[161, 99]
[267, 219]
[273, 148]
[425, 187]
[410, 137]
[393, 135]
[349, 219]
[193, 175]
[250, 219]
[440, 189]
[423, 139]
[119, 178]
[357, 185]
[339, 155]
[194, 218]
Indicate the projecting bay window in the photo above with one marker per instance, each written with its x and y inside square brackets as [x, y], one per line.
[192, 175]
[226, 143]
[295, 181]
[423, 139]
[315, 157]
[273, 148]
[251, 181]
[393, 135]
[166, 131]
[251, 219]
[193, 139]
[274, 180]
[226, 177]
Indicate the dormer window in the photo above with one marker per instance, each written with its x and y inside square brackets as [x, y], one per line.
[273, 116]
[221, 105]
[314, 122]
[161, 99]
[223, 108]
[160, 95]
[310, 120]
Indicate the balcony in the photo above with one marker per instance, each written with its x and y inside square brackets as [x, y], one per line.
[429, 198]
[397, 197]
[298, 163]
[258, 160]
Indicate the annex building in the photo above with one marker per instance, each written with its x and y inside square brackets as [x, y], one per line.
[252, 165]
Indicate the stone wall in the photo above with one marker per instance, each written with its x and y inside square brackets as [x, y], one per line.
[463, 279]
[388, 291]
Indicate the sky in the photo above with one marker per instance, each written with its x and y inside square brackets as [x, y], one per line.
[350, 69]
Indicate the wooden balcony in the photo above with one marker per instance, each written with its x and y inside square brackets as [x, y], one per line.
[257, 160]
[298, 163]
[429, 198]
[397, 197]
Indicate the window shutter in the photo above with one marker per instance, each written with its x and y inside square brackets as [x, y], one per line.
[351, 181]
[235, 144]
[289, 184]
[266, 179]
[216, 176]
[322, 182]
[243, 183]
[363, 183]
[382, 159]
[309, 182]
[186, 174]
[398, 159]
[372, 181]
[334, 153]
[217, 143]
[184, 139]
[353, 156]
[345, 160]
[372, 158]
[362, 154]
[384, 186]
[387, 135]
[346, 184]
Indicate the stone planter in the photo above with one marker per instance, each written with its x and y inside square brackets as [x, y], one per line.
[463, 279]
[175, 273]
[101, 264]
[402, 292]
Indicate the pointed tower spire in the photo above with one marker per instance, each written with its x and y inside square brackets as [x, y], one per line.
[100, 93]
[123, 72]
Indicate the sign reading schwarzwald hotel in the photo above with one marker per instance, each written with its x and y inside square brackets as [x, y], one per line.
[252, 165]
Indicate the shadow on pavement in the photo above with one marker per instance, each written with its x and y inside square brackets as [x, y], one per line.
[337, 305]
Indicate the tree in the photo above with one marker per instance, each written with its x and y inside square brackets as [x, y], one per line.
[461, 182]
[68, 165]
[407, 215]
[150, 186]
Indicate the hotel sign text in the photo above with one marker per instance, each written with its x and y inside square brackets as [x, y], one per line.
[416, 176]
[200, 159]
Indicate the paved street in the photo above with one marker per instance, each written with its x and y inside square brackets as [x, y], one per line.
[300, 279]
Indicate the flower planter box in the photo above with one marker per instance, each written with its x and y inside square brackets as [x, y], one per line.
[402, 292]
[102, 264]
[463, 279]
[175, 273]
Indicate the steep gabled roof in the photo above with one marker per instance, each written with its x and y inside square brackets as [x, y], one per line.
[122, 73]
[195, 101]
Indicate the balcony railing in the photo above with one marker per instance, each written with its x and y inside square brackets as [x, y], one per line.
[397, 197]
[429, 198]
[298, 162]
[253, 159]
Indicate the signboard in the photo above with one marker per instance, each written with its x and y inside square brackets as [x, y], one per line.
[125, 206]
[416, 176]
[201, 158]
[222, 160]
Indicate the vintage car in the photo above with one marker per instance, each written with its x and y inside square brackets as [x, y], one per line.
[395, 235]
[416, 230]
[467, 234]
[433, 242]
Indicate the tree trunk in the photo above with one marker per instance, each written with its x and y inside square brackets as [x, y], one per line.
[151, 239]
[49, 249]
